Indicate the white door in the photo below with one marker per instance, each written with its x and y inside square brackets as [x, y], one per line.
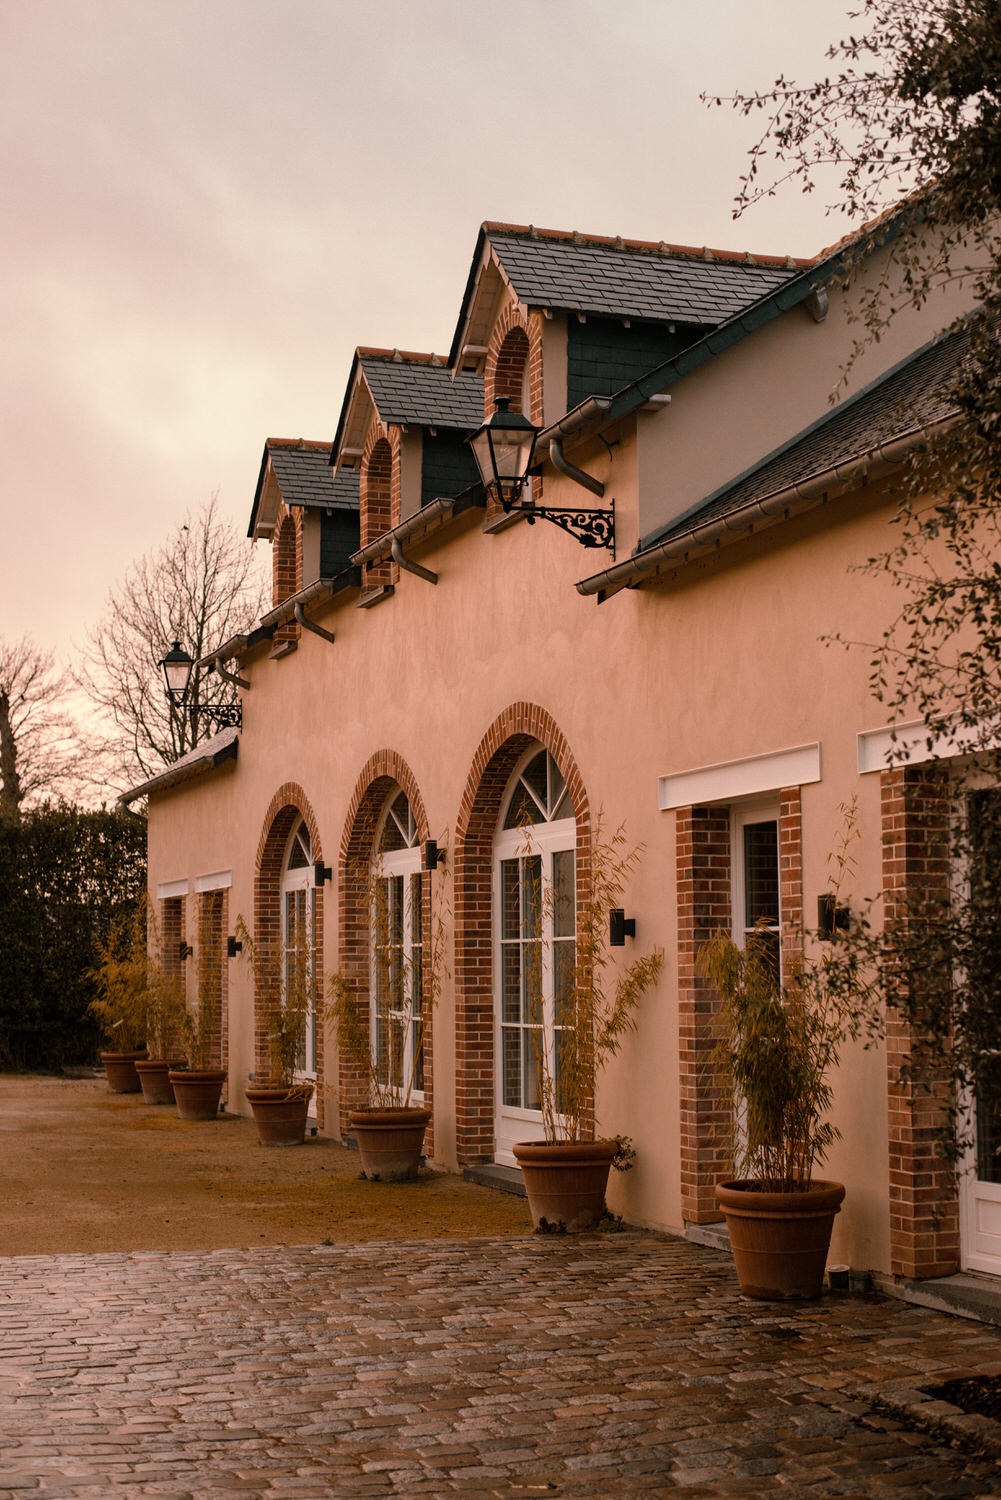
[298, 914]
[535, 946]
[397, 1016]
[980, 1184]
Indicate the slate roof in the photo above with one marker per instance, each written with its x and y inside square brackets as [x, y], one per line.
[305, 477]
[408, 389]
[205, 756]
[632, 279]
[912, 395]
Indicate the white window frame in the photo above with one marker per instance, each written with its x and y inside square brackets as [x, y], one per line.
[402, 864]
[292, 882]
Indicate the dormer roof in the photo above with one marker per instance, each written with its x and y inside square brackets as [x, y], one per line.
[297, 471]
[406, 390]
[597, 275]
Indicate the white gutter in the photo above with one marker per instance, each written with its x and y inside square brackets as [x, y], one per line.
[792, 500]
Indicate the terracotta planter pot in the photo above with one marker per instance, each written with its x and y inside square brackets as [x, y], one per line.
[197, 1093]
[565, 1182]
[780, 1240]
[280, 1113]
[390, 1141]
[120, 1071]
[155, 1082]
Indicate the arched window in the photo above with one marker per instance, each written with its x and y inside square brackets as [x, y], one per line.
[298, 931]
[397, 950]
[535, 942]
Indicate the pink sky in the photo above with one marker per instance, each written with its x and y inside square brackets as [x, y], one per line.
[209, 203]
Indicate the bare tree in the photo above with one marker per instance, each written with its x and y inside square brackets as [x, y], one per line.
[40, 750]
[199, 587]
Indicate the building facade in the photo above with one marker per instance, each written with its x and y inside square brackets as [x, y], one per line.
[435, 669]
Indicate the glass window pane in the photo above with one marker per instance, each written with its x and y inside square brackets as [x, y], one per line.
[761, 873]
[511, 984]
[564, 893]
[535, 776]
[523, 809]
[511, 1044]
[531, 896]
[531, 1042]
[564, 979]
[531, 982]
[510, 899]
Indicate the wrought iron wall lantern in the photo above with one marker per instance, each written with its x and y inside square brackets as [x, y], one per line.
[503, 448]
[177, 668]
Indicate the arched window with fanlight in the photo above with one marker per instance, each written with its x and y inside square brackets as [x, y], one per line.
[397, 1016]
[298, 932]
[535, 904]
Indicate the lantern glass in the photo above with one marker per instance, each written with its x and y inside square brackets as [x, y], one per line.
[177, 665]
[503, 449]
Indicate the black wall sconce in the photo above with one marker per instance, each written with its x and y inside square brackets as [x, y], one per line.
[184, 950]
[831, 917]
[620, 927]
[233, 947]
[321, 873]
[433, 856]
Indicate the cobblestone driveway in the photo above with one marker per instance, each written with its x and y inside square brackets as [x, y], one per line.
[619, 1365]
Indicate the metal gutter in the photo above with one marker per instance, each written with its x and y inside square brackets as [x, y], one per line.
[768, 510]
[323, 588]
[429, 518]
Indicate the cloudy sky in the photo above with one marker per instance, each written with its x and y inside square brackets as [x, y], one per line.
[208, 203]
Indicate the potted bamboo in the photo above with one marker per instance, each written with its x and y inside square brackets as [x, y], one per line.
[164, 1021]
[382, 1042]
[566, 1173]
[280, 1103]
[121, 1004]
[198, 1086]
[777, 1044]
[390, 1129]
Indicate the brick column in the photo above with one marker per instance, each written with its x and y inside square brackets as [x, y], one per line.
[704, 906]
[924, 1204]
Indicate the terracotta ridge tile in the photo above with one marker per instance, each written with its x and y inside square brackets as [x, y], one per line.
[650, 247]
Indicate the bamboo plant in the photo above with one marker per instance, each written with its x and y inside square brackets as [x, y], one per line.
[593, 1008]
[285, 997]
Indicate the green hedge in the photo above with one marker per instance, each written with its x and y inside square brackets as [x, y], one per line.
[65, 876]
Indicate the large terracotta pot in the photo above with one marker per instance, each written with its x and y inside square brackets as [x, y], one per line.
[197, 1092]
[780, 1240]
[280, 1112]
[390, 1141]
[565, 1182]
[155, 1081]
[120, 1071]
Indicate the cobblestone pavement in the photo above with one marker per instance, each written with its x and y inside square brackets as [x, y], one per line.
[613, 1365]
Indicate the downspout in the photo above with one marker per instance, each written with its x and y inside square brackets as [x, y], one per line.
[397, 554]
[586, 481]
[310, 625]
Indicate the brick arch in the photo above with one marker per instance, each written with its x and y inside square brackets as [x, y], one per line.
[286, 568]
[380, 494]
[382, 773]
[287, 806]
[504, 743]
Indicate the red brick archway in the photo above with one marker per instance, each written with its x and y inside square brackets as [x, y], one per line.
[287, 806]
[381, 775]
[498, 753]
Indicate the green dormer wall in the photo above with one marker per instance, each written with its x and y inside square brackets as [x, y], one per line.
[448, 466]
[340, 535]
[603, 355]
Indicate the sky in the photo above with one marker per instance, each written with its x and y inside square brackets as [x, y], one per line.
[207, 204]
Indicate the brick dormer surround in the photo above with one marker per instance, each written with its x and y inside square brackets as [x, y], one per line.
[516, 342]
[379, 496]
[286, 568]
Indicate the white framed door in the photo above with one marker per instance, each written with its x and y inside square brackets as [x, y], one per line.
[534, 898]
[298, 942]
[397, 1017]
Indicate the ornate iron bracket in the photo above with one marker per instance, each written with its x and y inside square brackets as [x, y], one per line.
[592, 528]
[226, 715]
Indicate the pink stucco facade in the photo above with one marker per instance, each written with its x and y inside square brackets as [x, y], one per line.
[708, 686]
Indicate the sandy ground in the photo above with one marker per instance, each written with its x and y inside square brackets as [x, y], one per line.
[82, 1169]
